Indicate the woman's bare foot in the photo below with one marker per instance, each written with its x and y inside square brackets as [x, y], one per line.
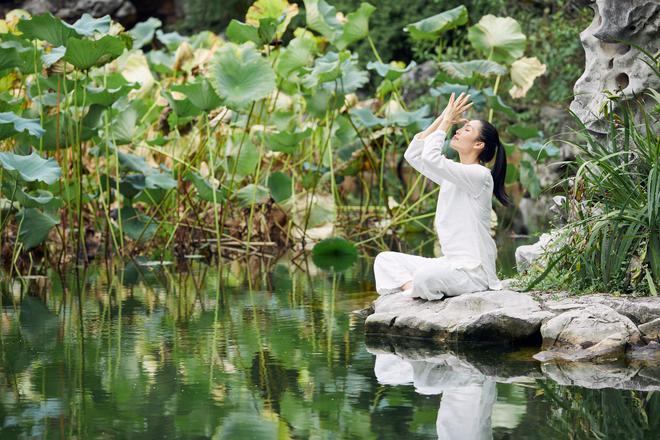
[406, 286]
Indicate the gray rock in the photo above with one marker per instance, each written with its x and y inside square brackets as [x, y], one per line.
[640, 310]
[495, 316]
[527, 254]
[594, 333]
[611, 65]
[651, 330]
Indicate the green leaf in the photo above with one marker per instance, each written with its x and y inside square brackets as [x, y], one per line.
[239, 32]
[246, 162]
[524, 132]
[356, 26]
[335, 254]
[48, 28]
[88, 25]
[171, 40]
[136, 225]
[299, 53]
[85, 54]
[200, 93]
[124, 126]
[364, 117]
[390, 71]
[18, 125]
[252, 194]
[277, 12]
[34, 226]
[204, 188]
[280, 186]
[240, 74]
[539, 150]
[467, 69]
[498, 38]
[286, 141]
[432, 27]
[321, 17]
[143, 32]
[529, 179]
[31, 168]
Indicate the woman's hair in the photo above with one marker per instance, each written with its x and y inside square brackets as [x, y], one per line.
[494, 148]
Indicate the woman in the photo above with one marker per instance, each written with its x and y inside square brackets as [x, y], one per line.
[462, 218]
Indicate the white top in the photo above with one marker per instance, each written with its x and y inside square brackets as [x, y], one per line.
[462, 216]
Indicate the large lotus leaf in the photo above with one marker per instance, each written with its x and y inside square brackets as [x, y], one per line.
[244, 162]
[34, 226]
[102, 96]
[286, 141]
[10, 124]
[467, 69]
[403, 118]
[390, 71]
[432, 27]
[252, 194]
[499, 38]
[356, 26]
[182, 109]
[326, 68]
[364, 117]
[136, 225]
[14, 54]
[476, 96]
[336, 70]
[88, 25]
[200, 94]
[48, 28]
[240, 74]
[171, 40]
[539, 150]
[336, 254]
[143, 32]
[124, 126]
[157, 187]
[31, 168]
[132, 162]
[322, 18]
[524, 132]
[495, 102]
[523, 73]
[85, 54]
[53, 56]
[204, 189]
[279, 10]
[352, 77]
[299, 53]
[12, 190]
[280, 186]
[239, 32]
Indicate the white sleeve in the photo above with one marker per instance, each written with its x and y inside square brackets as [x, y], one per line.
[437, 167]
[413, 153]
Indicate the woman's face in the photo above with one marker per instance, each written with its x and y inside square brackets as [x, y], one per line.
[465, 139]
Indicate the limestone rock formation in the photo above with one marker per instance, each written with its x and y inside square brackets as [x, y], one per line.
[613, 65]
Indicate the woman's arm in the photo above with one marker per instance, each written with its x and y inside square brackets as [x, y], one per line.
[413, 153]
[437, 167]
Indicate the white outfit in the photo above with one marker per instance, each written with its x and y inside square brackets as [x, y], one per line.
[462, 222]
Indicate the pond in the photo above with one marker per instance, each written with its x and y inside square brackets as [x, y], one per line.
[162, 352]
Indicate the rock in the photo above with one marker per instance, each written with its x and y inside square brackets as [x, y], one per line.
[611, 65]
[494, 316]
[594, 333]
[651, 330]
[640, 310]
[527, 254]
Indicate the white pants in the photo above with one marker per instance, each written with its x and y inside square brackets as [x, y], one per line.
[432, 278]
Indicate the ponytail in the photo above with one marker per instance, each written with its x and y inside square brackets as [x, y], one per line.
[494, 148]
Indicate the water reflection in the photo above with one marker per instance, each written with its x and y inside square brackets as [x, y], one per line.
[467, 396]
[146, 351]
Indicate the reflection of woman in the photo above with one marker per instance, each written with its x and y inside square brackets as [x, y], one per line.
[462, 219]
[467, 395]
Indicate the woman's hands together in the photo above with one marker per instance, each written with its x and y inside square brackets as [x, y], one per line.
[452, 114]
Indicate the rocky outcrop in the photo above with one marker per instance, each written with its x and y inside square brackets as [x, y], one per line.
[594, 333]
[599, 327]
[615, 65]
[503, 316]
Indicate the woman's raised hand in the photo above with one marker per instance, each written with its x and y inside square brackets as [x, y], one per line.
[453, 113]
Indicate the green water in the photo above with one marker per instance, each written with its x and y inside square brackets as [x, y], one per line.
[161, 352]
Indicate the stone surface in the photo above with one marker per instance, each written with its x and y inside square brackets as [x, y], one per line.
[612, 65]
[651, 330]
[594, 333]
[640, 310]
[495, 316]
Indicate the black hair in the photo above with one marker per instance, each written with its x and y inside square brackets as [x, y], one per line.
[494, 148]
